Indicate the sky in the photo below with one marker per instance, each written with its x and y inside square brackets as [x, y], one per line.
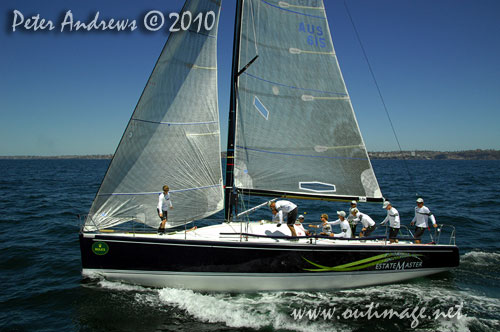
[435, 61]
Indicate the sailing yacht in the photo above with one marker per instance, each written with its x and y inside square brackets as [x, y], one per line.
[286, 83]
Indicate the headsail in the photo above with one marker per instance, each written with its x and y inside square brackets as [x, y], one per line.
[172, 138]
[296, 131]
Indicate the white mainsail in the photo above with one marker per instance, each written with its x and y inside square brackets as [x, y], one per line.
[172, 138]
[296, 131]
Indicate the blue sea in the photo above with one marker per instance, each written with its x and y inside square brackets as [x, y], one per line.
[42, 289]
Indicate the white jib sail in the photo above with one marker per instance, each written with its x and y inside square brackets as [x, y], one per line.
[173, 136]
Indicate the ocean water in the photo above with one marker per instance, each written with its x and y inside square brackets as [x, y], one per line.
[42, 289]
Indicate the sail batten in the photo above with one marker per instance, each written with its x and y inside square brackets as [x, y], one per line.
[299, 155]
[176, 123]
[296, 87]
[158, 193]
[282, 5]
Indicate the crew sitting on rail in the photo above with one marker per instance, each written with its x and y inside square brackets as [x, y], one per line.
[326, 228]
[300, 226]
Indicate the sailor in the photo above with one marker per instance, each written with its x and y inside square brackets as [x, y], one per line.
[366, 220]
[300, 227]
[421, 220]
[394, 221]
[350, 219]
[275, 215]
[344, 225]
[164, 202]
[287, 207]
[326, 228]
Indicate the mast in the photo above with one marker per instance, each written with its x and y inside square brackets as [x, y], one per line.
[230, 191]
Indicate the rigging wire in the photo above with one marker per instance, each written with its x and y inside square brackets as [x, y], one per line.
[412, 181]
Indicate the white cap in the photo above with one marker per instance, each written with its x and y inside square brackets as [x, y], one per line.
[269, 203]
[386, 204]
[354, 202]
[341, 213]
[301, 217]
[420, 200]
[354, 210]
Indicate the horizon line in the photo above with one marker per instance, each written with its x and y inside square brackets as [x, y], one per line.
[108, 155]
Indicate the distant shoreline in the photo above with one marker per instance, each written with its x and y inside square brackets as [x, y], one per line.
[477, 154]
[92, 156]
[392, 155]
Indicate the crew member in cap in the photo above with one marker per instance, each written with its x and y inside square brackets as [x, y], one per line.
[287, 207]
[394, 221]
[344, 226]
[300, 227]
[421, 220]
[350, 218]
[366, 220]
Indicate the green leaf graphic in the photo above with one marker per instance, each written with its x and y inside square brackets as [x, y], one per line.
[361, 264]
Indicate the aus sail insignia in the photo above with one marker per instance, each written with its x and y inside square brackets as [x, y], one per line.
[315, 35]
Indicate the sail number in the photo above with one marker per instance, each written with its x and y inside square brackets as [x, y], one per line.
[314, 34]
[155, 20]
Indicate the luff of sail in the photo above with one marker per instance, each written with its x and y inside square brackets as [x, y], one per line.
[172, 138]
[296, 131]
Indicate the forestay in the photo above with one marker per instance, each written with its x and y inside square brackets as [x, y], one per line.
[296, 131]
[172, 138]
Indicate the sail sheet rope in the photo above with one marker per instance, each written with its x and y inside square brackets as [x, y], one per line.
[283, 6]
[176, 123]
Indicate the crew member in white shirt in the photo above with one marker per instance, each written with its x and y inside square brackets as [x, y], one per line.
[366, 220]
[300, 230]
[326, 228]
[350, 218]
[287, 207]
[421, 220]
[344, 225]
[394, 221]
[164, 203]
